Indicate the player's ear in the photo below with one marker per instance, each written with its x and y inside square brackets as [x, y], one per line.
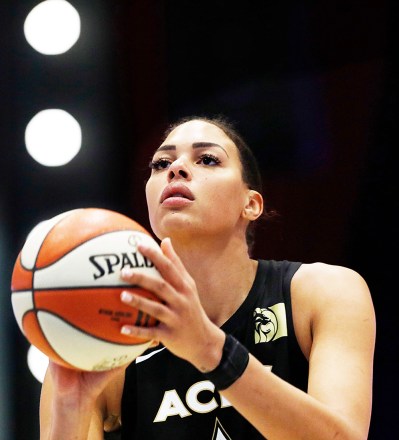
[253, 205]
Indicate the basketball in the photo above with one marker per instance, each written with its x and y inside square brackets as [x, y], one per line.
[66, 286]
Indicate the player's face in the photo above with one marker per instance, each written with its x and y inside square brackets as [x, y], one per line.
[196, 185]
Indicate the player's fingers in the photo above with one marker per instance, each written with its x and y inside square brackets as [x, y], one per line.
[154, 308]
[169, 265]
[145, 333]
[153, 283]
[169, 251]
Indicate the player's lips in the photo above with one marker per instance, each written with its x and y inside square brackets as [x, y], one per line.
[176, 190]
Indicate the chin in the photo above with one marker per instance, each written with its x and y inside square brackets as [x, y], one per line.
[174, 225]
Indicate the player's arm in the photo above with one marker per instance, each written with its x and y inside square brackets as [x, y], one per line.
[335, 326]
[334, 319]
[74, 405]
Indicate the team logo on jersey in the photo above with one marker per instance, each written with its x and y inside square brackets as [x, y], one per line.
[270, 323]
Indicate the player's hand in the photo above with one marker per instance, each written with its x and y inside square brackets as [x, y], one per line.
[73, 385]
[184, 328]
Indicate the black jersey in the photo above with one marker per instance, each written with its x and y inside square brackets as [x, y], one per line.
[167, 398]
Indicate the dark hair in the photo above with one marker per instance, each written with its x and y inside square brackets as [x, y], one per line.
[250, 170]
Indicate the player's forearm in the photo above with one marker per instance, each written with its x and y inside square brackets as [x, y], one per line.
[280, 411]
[69, 421]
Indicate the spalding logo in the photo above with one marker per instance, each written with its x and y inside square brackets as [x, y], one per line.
[106, 264]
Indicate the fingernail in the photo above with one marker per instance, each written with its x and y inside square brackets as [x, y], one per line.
[126, 296]
[143, 247]
[126, 330]
[126, 272]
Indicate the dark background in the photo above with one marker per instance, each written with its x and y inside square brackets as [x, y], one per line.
[313, 88]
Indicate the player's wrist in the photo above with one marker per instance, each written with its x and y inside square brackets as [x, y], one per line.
[208, 358]
[234, 361]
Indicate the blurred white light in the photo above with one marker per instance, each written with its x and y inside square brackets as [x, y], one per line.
[37, 363]
[52, 27]
[53, 137]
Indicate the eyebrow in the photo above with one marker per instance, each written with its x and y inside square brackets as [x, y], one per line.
[195, 145]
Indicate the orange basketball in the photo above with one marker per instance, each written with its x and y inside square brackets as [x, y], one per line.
[66, 288]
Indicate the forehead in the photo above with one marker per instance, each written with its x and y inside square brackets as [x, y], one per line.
[199, 131]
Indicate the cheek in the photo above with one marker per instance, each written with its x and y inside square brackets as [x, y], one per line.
[229, 197]
[151, 195]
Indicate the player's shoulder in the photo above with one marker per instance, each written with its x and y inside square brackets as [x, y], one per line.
[329, 282]
[323, 295]
[324, 272]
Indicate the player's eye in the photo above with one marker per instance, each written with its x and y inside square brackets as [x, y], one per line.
[160, 164]
[208, 159]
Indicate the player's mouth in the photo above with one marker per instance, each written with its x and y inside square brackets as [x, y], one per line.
[176, 195]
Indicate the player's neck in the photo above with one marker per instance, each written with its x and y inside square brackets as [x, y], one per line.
[223, 274]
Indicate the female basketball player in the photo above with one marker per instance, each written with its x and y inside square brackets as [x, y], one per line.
[248, 348]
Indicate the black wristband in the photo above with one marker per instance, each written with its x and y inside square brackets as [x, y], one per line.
[234, 361]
